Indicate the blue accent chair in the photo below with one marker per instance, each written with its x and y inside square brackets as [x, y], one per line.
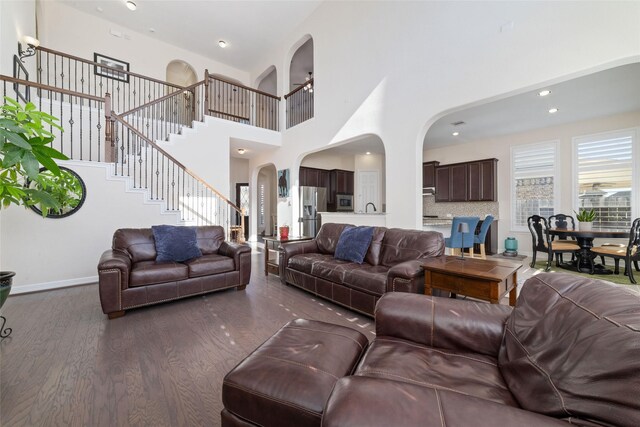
[455, 241]
[482, 235]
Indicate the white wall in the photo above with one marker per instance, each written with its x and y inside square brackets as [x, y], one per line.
[47, 252]
[69, 30]
[500, 148]
[327, 160]
[392, 68]
[17, 19]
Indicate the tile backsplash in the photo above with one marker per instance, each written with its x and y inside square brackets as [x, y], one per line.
[481, 209]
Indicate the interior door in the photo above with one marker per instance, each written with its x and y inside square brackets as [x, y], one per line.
[242, 201]
[367, 191]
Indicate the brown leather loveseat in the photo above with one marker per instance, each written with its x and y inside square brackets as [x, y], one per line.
[567, 353]
[129, 276]
[392, 263]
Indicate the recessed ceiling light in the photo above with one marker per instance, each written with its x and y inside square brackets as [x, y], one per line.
[152, 30]
[222, 44]
[131, 5]
[544, 92]
[368, 153]
[455, 133]
[241, 150]
[553, 110]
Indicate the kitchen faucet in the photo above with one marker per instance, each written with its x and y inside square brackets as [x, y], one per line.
[366, 208]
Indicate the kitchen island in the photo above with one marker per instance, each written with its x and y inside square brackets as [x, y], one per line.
[374, 219]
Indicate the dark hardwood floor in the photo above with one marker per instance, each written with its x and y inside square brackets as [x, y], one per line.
[67, 364]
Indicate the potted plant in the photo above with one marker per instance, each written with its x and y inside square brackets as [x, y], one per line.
[25, 147]
[585, 219]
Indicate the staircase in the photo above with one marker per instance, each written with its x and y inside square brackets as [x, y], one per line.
[117, 117]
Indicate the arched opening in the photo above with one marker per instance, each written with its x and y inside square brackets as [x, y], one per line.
[266, 108]
[554, 152]
[268, 81]
[267, 202]
[301, 85]
[181, 73]
[346, 179]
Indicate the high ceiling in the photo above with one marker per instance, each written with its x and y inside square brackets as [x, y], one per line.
[606, 93]
[251, 28]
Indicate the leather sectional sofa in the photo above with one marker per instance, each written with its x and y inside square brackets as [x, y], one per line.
[392, 263]
[567, 354]
[129, 276]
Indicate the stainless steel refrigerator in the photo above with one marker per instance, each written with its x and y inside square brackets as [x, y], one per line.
[312, 201]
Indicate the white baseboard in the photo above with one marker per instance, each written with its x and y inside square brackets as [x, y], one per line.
[36, 287]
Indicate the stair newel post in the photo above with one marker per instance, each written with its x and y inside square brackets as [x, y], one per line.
[109, 137]
[206, 92]
[242, 214]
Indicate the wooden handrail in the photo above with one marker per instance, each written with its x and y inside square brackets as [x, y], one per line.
[229, 114]
[299, 88]
[163, 98]
[173, 159]
[118, 70]
[51, 88]
[245, 87]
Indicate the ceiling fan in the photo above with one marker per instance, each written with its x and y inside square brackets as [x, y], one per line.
[308, 84]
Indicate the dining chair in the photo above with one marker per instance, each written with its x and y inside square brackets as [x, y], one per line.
[629, 253]
[480, 238]
[542, 242]
[456, 242]
[563, 221]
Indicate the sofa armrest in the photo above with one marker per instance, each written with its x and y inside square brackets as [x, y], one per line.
[113, 277]
[442, 322]
[241, 255]
[376, 402]
[292, 249]
[407, 276]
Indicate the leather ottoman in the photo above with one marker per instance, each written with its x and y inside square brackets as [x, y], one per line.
[288, 379]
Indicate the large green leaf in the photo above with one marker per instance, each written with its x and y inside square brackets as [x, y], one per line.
[15, 139]
[50, 152]
[30, 165]
[47, 162]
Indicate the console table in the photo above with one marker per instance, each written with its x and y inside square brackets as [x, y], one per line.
[485, 279]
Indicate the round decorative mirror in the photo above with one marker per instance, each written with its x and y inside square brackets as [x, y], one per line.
[70, 195]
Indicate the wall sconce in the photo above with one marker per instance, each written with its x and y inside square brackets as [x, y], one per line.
[32, 44]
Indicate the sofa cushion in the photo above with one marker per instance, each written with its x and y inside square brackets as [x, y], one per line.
[209, 237]
[570, 342]
[304, 262]
[463, 372]
[369, 278]
[209, 264]
[175, 243]
[328, 236]
[137, 243]
[151, 272]
[373, 254]
[333, 270]
[401, 245]
[353, 244]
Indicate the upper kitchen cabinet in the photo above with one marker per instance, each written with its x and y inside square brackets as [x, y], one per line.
[482, 180]
[429, 174]
[467, 182]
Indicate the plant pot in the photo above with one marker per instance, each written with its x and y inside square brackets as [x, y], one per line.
[6, 278]
[585, 226]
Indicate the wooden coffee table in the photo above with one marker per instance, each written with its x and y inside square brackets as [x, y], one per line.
[488, 280]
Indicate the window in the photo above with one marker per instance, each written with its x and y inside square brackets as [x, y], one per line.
[604, 179]
[534, 183]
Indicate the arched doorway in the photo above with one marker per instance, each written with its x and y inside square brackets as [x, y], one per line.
[181, 73]
[301, 85]
[267, 201]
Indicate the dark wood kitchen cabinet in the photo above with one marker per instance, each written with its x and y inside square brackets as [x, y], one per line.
[341, 182]
[313, 177]
[467, 182]
[482, 180]
[429, 174]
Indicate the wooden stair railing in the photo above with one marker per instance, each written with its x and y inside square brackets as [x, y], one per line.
[299, 104]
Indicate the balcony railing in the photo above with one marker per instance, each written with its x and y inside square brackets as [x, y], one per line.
[299, 104]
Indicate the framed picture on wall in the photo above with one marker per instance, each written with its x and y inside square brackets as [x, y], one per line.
[283, 183]
[114, 65]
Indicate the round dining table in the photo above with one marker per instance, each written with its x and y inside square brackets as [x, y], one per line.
[585, 241]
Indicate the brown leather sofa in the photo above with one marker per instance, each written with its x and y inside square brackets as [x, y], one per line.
[392, 263]
[129, 276]
[567, 353]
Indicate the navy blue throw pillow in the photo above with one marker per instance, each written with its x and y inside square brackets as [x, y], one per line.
[353, 244]
[175, 243]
